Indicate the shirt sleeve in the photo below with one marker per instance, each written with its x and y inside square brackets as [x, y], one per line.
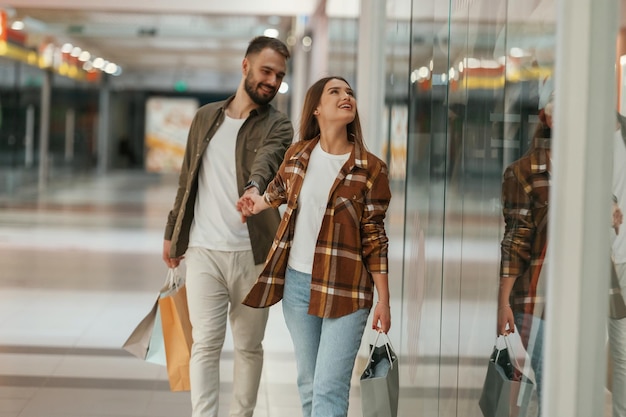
[518, 226]
[374, 239]
[270, 155]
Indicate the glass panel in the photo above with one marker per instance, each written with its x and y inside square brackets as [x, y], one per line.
[425, 204]
[477, 72]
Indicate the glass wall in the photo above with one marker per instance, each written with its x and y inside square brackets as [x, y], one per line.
[467, 80]
[469, 95]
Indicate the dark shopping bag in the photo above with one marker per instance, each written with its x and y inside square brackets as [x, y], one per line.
[506, 390]
[380, 381]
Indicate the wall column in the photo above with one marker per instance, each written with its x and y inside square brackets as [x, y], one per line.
[580, 200]
[370, 78]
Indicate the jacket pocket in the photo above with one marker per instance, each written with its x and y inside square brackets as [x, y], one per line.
[349, 205]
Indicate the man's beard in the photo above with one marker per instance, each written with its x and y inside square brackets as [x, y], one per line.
[259, 99]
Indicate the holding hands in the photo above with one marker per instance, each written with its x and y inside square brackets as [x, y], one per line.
[251, 202]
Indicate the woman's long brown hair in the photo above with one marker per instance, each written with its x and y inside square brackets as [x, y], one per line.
[309, 128]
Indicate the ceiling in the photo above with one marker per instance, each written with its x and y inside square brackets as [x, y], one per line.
[160, 42]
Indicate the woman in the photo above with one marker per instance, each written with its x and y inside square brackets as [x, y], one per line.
[331, 247]
[525, 195]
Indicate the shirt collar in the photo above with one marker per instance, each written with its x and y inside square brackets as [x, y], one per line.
[259, 110]
[358, 156]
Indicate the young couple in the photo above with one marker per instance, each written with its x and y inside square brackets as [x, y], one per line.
[323, 259]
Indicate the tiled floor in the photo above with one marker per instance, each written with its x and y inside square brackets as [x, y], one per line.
[79, 268]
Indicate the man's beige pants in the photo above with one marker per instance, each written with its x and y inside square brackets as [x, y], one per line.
[215, 281]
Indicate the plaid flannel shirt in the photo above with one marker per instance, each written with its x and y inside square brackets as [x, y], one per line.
[525, 192]
[352, 243]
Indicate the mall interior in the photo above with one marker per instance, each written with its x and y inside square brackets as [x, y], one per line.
[95, 102]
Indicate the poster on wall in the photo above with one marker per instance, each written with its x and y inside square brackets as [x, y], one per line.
[167, 124]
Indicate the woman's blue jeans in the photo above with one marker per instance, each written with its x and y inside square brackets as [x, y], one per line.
[325, 349]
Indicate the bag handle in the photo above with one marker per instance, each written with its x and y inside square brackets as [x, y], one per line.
[173, 280]
[516, 364]
[387, 346]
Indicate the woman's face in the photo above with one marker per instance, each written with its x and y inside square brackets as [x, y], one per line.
[337, 103]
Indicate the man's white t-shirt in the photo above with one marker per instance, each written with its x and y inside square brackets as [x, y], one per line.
[320, 175]
[217, 223]
[619, 190]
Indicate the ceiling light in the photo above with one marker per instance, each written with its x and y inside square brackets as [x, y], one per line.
[98, 63]
[17, 25]
[271, 33]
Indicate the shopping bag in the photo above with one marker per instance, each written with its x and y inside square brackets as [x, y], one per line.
[176, 327]
[506, 390]
[146, 340]
[380, 381]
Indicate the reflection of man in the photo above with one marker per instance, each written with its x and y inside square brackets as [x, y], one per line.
[525, 193]
[617, 327]
[232, 146]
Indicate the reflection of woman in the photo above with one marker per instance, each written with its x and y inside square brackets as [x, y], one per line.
[330, 249]
[525, 192]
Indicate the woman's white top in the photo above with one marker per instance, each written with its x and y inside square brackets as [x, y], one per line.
[319, 178]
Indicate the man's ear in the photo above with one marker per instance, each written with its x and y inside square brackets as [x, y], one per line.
[245, 66]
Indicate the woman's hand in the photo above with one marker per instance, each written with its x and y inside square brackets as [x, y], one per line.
[251, 203]
[506, 321]
[382, 318]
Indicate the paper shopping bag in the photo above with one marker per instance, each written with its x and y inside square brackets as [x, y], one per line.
[506, 390]
[177, 336]
[146, 339]
[380, 382]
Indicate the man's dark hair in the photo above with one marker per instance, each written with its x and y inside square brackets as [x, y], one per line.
[261, 42]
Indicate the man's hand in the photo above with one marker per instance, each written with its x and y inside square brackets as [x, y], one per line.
[170, 262]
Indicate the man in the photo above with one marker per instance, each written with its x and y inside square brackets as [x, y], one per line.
[233, 147]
